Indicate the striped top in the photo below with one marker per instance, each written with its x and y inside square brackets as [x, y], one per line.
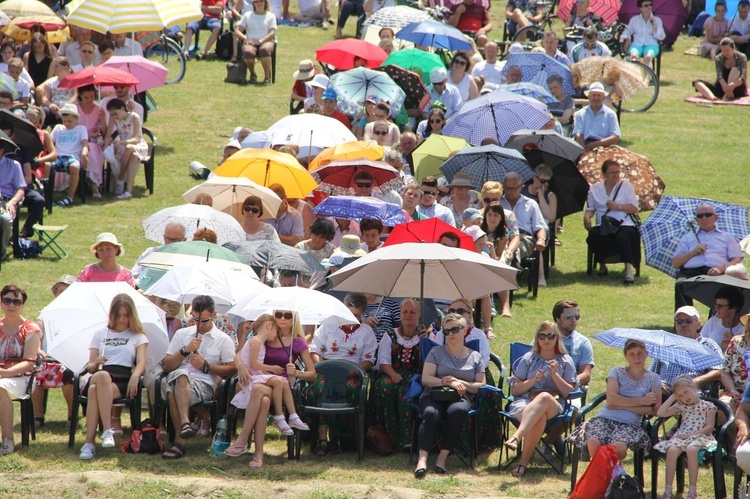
[388, 313]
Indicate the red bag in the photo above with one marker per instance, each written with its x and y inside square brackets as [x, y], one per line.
[597, 477]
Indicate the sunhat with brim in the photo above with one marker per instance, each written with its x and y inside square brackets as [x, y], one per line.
[66, 279]
[70, 109]
[744, 319]
[461, 180]
[107, 237]
[319, 81]
[350, 244]
[596, 87]
[305, 70]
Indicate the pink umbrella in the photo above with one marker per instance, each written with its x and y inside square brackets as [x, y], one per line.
[341, 53]
[606, 9]
[150, 73]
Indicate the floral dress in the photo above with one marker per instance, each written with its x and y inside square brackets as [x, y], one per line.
[694, 418]
[125, 131]
[734, 364]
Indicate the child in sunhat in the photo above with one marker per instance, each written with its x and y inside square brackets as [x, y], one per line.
[72, 144]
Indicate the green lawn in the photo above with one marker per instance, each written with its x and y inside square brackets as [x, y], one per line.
[697, 151]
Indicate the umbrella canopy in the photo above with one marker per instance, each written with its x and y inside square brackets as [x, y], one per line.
[194, 217]
[228, 194]
[486, 163]
[496, 115]
[49, 23]
[267, 167]
[312, 306]
[357, 208]
[547, 141]
[666, 347]
[675, 217]
[434, 34]
[9, 84]
[528, 89]
[415, 60]
[745, 245]
[24, 8]
[417, 95]
[127, 16]
[355, 85]
[310, 132]
[4, 19]
[536, 67]
[606, 9]
[192, 253]
[593, 69]
[396, 17]
[570, 187]
[429, 156]
[24, 132]
[635, 168]
[360, 149]
[671, 12]
[341, 53]
[703, 288]
[337, 177]
[19, 28]
[72, 318]
[427, 231]
[99, 76]
[150, 73]
[276, 255]
[6, 141]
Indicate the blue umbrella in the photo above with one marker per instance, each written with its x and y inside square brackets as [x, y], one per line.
[434, 34]
[486, 163]
[674, 217]
[666, 347]
[357, 208]
[355, 85]
[538, 66]
[496, 115]
[528, 89]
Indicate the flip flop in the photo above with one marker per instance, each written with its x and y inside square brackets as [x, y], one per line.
[235, 451]
[187, 430]
[176, 451]
[255, 464]
[511, 444]
[518, 471]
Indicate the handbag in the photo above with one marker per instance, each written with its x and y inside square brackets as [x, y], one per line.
[624, 487]
[609, 226]
[444, 393]
[380, 442]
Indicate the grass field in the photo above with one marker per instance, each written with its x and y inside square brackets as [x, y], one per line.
[697, 151]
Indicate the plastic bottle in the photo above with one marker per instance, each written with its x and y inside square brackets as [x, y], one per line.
[220, 442]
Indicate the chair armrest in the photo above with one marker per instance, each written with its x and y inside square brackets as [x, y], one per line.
[586, 409]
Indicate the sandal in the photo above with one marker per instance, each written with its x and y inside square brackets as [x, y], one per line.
[187, 430]
[253, 78]
[65, 202]
[283, 427]
[203, 429]
[322, 448]
[38, 422]
[200, 57]
[176, 451]
[511, 443]
[267, 81]
[255, 464]
[235, 451]
[518, 471]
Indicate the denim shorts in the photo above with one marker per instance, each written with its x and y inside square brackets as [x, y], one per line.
[210, 23]
[64, 163]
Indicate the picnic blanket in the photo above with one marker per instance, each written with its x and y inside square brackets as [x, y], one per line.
[743, 101]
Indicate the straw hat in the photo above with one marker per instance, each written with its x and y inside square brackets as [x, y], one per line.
[350, 244]
[107, 237]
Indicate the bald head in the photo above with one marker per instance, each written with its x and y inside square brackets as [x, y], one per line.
[491, 52]
[514, 75]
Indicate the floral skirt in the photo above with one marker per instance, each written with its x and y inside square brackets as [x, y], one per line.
[389, 409]
[608, 432]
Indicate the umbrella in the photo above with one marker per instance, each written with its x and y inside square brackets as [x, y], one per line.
[364, 149]
[337, 177]
[593, 69]
[635, 168]
[415, 60]
[745, 245]
[357, 208]
[127, 16]
[666, 347]
[396, 17]
[536, 67]
[276, 255]
[4, 19]
[267, 167]
[486, 163]
[6, 141]
[427, 231]
[529, 89]
[496, 115]
[703, 288]
[24, 8]
[417, 95]
[432, 153]
[427, 270]
[192, 253]
[570, 187]
[671, 12]
[355, 85]
[546, 140]
[228, 194]
[674, 217]
[150, 73]
[341, 53]
[606, 9]
[194, 217]
[312, 306]
[72, 318]
[20, 28]
[24, 132]
[99, 76]
[9, 84]
[311, 132]
[434, 34]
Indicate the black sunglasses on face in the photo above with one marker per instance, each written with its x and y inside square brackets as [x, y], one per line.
[251, 208]
[284, 315]
[364, 185]
[452, 330]
[13, 301]
[460, 311]
[197, 319]
[550, 336]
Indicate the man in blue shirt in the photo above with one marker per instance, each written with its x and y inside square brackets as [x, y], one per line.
[566, 315]
[442, 91]
[12, 185]
[596, 124]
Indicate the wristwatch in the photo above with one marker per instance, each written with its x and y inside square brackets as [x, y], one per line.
[184, 352]
[206, 367]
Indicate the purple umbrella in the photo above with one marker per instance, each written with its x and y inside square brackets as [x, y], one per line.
[671, 13]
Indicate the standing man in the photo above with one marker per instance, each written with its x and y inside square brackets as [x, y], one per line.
[490, 68]
[288, 221]
[596, 124]
[429, 207]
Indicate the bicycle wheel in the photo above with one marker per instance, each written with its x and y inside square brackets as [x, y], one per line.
[646, 97]
[166, 52]
[528, 34]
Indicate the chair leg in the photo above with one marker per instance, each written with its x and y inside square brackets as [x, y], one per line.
[654, 473]
[576, 455]
[73, 422]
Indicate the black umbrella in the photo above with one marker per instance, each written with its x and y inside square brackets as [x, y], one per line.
[417, 95]
[276, 255]
[570, 187]
[8, 145]
[703, 288]
[24, 133]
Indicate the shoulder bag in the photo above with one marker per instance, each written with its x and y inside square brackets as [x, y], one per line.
[609, 226]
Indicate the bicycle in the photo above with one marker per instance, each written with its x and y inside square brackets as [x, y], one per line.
[535, 32]
[169, 54]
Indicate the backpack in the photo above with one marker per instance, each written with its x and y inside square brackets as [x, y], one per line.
[28, 249]
[144, 440]
[224, 45]
[597, 477]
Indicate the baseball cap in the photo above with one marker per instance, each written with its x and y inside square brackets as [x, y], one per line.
[688, 310]
[438, 75]
[475, 232]
[471, 214]
[330, 94]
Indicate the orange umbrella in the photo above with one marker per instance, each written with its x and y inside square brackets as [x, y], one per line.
[362, 149]
[20, 28]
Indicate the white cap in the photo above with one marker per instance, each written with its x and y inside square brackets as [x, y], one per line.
[438, 75]
[688, 310]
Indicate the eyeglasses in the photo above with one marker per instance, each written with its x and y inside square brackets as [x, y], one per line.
[573, 316]
[13, 301]
[380, 132]
[513, 188]
[202, 321]
[689, 320]
[459, 62]
[429, 193]
[87, 51]
[544, 180]
[720, 305]
[490, 200]
[704, 215]
[436, 121]
[452, 330]
[550, 336]
[459, 311]
[284, 315]
[251, 208]
[364, 185]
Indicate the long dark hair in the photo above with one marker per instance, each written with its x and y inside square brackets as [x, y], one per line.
[501, 230]
[434, 112]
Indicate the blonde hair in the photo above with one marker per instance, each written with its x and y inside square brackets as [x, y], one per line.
[682, 380]
[552, 327]
[414, 302]
[466, 304]
[492, 186]
[134, 322]
[297, 330]
[454, 318]
[261, 321]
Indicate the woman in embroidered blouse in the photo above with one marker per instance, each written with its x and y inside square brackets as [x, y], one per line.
[255, 228]
[19, 345]
[107, 249]
[731, 75]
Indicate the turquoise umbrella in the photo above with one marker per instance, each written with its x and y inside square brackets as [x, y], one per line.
[355, 85]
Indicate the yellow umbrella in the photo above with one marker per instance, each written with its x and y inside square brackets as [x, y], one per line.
[20, 28]
[432, 153]
[22, 8]
[127, 16]
[361, 149]
[267, 167]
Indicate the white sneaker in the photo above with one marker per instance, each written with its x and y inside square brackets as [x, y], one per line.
[324, 25]
[8, 447]
[125, 195]
[119, 187]
[108, 439]
[87, 452]
[542, 283]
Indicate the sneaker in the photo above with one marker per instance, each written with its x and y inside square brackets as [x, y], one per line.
[8, 447]
[125, 195]
[119, 187]
[108, 439]
[324, 25]
[283, 427]
[87, 452]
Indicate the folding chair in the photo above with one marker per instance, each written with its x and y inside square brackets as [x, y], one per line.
[27, 407]
[48, 235]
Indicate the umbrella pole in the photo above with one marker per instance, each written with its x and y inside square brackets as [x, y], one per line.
[309, 150]
[421, 290]
[208, 252]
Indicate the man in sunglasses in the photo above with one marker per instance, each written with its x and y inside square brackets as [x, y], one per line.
[707, 251]
[428, 205]
[442, 91]
[590, 46]
[531, 224]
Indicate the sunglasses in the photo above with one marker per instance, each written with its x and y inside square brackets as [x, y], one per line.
[544, 181]
[202, 321]
[512, 188]
[490, 200]
[13, 301]
[459, 62]
[679, 322]
[441, 83]
[452, 330]
[436, 121]
[573, 316]
[704, 215]
[550, 336]
[429, 193]
[250, 208]
[284, 315]
[459, 311]
[376, 132]
[364, 185]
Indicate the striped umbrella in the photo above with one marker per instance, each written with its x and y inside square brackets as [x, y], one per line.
[396, 17]
[127, 16]
[606, 9]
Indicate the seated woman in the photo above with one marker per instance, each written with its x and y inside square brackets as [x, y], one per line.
[611, 82]
[632, 392]
[107, 249]
[460, 77]
[255, 228]
[117, 359]
[355, 344]
[322, 232]
[539, 191]
[714, 30]
[542, 380]
[562, 110]
[646, 31]
[580, 15]
[613, 197]
[19, 344]
[381, 133]
[458, 369]
[398, 362]
[731, 75]
[257, 32]
[734, 372]
[433, 124]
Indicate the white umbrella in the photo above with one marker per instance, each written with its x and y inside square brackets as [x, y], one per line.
[72, 318]
[226, 286]
[313, 307]
[228, 194]
[194, 217]
[311, 132]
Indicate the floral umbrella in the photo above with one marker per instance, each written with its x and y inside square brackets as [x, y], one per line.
[593, 69]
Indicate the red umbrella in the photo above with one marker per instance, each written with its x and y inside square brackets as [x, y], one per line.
[337, 177]
[341, 53]
[98, 76]
[426, 231]
[606, 9]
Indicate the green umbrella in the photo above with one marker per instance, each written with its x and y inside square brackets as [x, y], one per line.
[415, 60]
[430, 155]
[191, 253]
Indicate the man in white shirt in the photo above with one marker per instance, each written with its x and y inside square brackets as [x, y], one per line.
[123, 93]
[125, 45]
[441, 91]
[728, 303]
[428, 205]
[739, 27]
[490, 68]
[87, 53]
[72, 49]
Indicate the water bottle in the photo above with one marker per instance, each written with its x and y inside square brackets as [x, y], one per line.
[220, 442]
